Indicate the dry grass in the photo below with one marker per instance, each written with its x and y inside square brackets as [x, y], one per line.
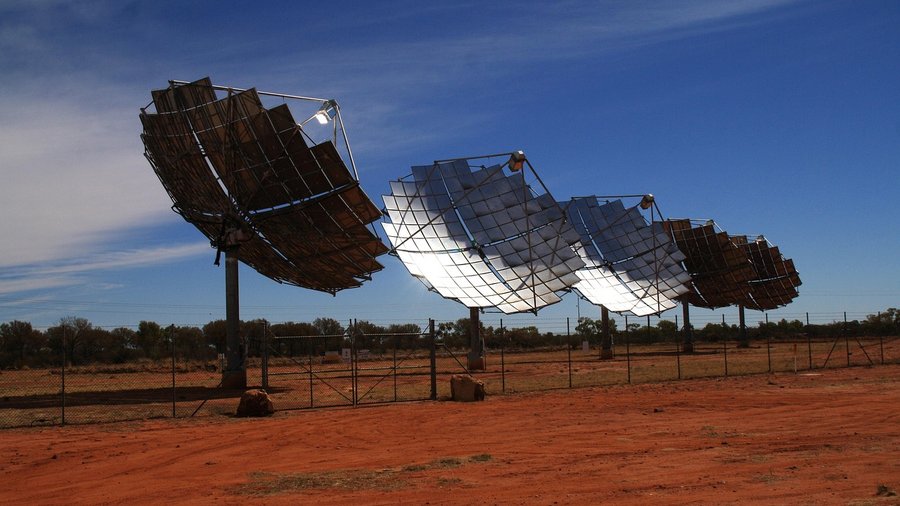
[354, 479]
[263, 484]
[885, 491]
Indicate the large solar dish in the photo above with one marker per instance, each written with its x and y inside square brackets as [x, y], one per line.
[776, 280]
[481, 235]
[631, 266]
[720, 270]
[230, 164]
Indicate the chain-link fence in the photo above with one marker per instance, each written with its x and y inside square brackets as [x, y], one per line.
[173, 386]
[365, 365]
[579, 363]
[297, 371]
[349, 369]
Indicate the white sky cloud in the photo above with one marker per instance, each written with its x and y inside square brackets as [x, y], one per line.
[71, 175]
[74, 271]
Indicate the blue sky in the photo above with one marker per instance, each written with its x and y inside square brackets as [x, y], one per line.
[777, 117]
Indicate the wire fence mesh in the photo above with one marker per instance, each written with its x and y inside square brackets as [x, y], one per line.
[511, 370]
[355, 367]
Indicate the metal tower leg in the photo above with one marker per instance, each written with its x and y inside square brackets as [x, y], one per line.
[476, 343]
[235, 374]
[688, 329]
[606, 351]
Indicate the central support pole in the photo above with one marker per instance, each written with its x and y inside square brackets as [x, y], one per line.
[744, 342]
[234, 375]
[476, 343]
[688, 346]
[606, 351]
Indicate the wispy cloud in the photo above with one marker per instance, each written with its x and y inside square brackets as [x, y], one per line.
[70, 174]
[32, 283]
[72, 272]
[393, 86]
[502, 38]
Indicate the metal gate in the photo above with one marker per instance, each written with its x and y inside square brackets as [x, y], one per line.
[392, 367]
[349, 369]
[308, 371]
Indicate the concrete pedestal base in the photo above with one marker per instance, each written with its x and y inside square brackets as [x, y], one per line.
[476, 362]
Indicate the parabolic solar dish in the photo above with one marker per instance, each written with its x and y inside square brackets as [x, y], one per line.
[630, 265]
[776, 280]
[229, 163]
[481, 236]
[720, 270]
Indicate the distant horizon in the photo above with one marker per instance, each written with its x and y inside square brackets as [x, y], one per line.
[557, 324]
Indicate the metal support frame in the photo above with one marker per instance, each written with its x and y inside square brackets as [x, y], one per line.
[744, 341]
[339, 120]
[606, 348]
[234, 375]
[688, 346]
[476, 342]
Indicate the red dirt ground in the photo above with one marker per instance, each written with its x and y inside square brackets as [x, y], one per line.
[832, 437]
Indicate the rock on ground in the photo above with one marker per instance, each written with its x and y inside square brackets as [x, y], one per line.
[255, 402]
[465, 388]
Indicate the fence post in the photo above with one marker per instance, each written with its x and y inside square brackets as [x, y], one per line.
[433, 359]
[725, 351]
[569, 349]
[354, 370]
[309, 366]
[174, 393]
[846, 339]
[768, 344]
[502, 357]
[265, 356]
[394, 370]
[809, 343]
[627, 351]
[63, 377]
[678, 353]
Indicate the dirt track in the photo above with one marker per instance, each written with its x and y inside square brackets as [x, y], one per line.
[829, 438]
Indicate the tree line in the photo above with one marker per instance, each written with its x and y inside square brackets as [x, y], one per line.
[81, 343]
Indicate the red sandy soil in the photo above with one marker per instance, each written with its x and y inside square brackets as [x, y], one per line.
[829, 437]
